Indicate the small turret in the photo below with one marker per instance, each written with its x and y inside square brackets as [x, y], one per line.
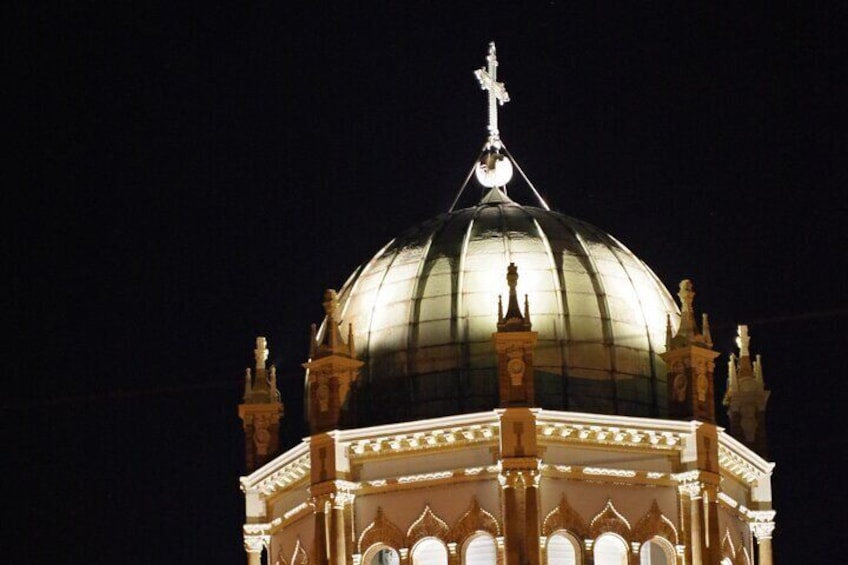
[690, 358]
[746, 397]
[330, 371]
[260, 410]
[514, 343]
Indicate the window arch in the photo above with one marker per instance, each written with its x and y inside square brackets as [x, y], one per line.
[610, 549]
[656, 551]
[563, 549]
[480, 549]
[430, 551]
[381, 555]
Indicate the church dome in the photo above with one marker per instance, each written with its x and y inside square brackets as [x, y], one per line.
[424, 308]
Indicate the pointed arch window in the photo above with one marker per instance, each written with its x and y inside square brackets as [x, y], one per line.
[563, 549]
[656, 551]
[382, 555]
[480, 550]
[430, 551]
[609, 549]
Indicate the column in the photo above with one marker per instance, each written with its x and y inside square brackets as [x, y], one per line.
[531, 509]
[692, 490]
[762, 525]
[320, 504]
[253, 546]
[512, 521]
[338, 539]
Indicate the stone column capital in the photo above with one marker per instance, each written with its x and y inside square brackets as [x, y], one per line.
[762, 523]
[255, 543]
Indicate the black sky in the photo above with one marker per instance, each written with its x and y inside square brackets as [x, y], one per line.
[184, 178]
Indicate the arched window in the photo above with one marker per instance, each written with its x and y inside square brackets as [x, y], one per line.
[382, 556]
[563, 550]
[480, 550]
[610, 549]
[656, 552]
[430, 551]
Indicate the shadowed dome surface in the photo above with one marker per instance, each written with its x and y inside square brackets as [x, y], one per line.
[424, 308]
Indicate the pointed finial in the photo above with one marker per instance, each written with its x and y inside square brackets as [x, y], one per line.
[247, 384]
[350, 343]
[512, 320]
[500, 308]
[743, 340]
[668, 332]
[732, 381]
[705, 330]
[261, 352]
[526, 309]
[758, 368]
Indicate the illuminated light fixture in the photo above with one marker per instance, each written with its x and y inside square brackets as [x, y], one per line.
[493, 169]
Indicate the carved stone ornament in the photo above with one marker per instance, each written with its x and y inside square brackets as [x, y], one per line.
[427, 525]
[680, 387]
[564, 517]
[609, 520]
[474, 520]
[281, 558]
[762, 530]
[654, 524]
[255, 543]
[380, 531]
[516, 369]
[703, 384]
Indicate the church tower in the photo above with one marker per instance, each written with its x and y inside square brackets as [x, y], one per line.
[261, 410]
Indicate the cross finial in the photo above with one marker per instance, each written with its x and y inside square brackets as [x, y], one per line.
[488, 78]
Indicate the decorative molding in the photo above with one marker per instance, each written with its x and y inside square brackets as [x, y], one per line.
[564, 517]
[609, 520]
[285, 477]
[602, 471]
[474, 520]
[427, 525]
[728, 548]
[281, 558]
[439, 439]
[689, 483]
[380, 531]
[654, 524]
[299, 555]
[612, 435]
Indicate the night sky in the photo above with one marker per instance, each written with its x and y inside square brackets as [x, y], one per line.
[183, 179]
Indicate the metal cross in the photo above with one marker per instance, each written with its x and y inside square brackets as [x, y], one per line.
[497, 91]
